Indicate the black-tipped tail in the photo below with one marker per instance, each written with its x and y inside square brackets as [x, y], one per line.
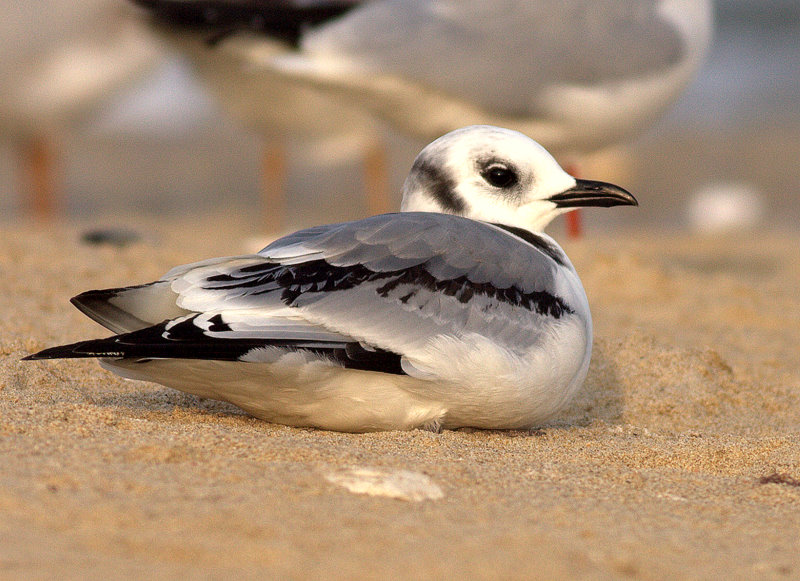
[99, 306]
[184, 340]
[82, 349]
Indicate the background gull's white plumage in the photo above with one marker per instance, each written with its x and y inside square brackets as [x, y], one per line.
[574, 75]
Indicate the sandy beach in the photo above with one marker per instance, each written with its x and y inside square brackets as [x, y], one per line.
[679, 459]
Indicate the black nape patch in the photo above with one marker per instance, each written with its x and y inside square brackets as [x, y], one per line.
[222, 18]
[441, 186]
[536, 241]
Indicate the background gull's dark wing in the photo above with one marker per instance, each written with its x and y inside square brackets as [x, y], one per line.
[281, 19]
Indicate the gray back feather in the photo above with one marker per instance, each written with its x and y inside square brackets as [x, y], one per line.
[449, 246]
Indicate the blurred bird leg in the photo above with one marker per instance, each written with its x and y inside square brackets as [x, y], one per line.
[376, 179]
[37, 177]
[273, 187]
[574, 219]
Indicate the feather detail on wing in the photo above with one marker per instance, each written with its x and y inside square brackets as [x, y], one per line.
[395, 280]
[127, 309]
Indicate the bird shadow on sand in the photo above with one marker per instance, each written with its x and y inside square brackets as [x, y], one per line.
[164, 400]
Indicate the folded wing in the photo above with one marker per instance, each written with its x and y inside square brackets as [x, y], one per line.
[374, 290]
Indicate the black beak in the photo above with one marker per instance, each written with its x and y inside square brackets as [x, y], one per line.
[590, 193]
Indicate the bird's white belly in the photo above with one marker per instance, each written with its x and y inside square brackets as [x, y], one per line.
[298, 390]
[459, 383]
[486, 386]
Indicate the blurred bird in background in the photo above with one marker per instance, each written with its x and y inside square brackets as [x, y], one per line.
[222, 40]
[58, 60]
[576, 75]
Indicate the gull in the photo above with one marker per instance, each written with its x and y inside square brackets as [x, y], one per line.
[222, 38]
[575, 75]
[453, 312]
[58, 60]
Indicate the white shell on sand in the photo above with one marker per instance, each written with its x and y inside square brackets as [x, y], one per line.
[401, 484]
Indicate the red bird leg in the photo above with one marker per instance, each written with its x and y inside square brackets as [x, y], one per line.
[574, 218]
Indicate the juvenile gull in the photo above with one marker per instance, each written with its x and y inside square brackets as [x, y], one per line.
[452, 313]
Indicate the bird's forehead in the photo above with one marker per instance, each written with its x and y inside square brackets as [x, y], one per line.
[460, 150]
[469, 148]
[509, 145]
[494, 138]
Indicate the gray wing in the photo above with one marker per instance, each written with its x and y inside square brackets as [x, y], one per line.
[394, 281]
[512, 49]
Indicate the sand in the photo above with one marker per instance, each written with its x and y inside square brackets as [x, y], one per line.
[680, 459]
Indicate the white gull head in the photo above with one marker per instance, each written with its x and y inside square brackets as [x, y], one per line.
[498, 175]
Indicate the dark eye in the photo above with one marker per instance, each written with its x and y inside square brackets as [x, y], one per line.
[500, 176]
